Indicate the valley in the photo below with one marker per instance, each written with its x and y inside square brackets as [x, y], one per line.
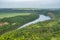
[23, 24]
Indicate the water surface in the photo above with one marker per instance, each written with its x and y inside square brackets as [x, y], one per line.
[40, 19]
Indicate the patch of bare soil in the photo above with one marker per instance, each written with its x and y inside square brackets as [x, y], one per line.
[4, 23]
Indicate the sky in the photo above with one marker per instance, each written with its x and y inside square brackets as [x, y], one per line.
[29, 3]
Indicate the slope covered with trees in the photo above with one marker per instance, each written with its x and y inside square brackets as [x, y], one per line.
[47, 30]
[9, 24]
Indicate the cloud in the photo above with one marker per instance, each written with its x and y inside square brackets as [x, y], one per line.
[29, 3]
[16, 0]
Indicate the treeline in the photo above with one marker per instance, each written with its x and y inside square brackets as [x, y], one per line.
[38, 11]
[55, 12]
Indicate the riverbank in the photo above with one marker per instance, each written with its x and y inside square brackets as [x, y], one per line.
[40, 19]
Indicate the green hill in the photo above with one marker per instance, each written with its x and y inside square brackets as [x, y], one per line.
[12, 23]
[47, 30]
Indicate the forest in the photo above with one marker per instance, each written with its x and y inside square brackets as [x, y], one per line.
[46, 30]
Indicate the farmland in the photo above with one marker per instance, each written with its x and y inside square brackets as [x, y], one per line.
[3, 15]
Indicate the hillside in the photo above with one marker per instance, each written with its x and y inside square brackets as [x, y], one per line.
[12, 23]
[46, 30]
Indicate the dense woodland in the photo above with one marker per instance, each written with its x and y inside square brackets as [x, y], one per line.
[46, 30]
[8, 24]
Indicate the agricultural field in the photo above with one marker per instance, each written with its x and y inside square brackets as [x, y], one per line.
[3, 15]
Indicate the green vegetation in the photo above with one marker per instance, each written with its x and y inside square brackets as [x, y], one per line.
[11, 19]
[48, 30]
[9, 24]
[3, 15]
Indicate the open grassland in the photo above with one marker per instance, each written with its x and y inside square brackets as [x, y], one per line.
[3, 15]
[48, 30]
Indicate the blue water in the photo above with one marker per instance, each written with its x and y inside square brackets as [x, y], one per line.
[43, 18]
[40, 19]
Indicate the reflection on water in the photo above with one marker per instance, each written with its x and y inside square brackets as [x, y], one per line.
[40, 19]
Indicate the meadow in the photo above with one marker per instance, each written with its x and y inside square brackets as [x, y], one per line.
[3, 15]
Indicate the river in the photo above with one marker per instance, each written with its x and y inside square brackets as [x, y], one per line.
[40, 19]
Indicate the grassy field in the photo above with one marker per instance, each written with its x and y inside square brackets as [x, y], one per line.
[3, 15]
